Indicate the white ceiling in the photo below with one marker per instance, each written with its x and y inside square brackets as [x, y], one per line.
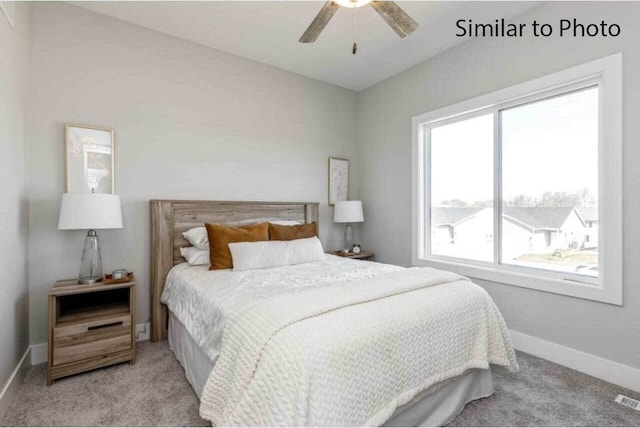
[268, 32]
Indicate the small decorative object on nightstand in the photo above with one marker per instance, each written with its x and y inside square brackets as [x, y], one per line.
[90, 326]
[362, 255]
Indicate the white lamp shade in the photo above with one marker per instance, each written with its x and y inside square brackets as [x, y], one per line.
[348, 212]
[90, 211]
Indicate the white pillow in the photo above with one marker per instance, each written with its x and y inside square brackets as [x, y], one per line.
[195, 256]
[285, 222]
[197, 237]
[268, 254]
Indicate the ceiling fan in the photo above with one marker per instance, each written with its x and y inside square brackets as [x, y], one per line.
[393, 15]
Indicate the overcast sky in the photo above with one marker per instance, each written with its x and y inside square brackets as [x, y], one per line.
[550, 145]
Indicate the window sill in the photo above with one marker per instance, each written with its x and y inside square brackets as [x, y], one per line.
[565, 287]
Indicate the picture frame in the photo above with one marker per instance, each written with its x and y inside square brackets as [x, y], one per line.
[338, 180]
[89, 159]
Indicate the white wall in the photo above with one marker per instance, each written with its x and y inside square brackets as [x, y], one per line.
[482, 66]
[14, 306]
[190, 123]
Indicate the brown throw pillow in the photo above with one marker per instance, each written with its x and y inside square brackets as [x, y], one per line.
[289, 233]
[220, 236]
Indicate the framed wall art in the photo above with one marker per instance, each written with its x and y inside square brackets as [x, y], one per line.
[89, 159]
[338, 180]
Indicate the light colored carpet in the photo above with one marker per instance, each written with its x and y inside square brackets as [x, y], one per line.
[546, 394]
[154, 392]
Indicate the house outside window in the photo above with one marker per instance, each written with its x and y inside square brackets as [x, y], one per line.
[523, 186]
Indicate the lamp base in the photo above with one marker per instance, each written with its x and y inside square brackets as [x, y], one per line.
[348, 238]
[91, 263]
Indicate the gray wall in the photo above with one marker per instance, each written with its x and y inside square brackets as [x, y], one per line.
[190, 123]
[14, 300]
[482, 66]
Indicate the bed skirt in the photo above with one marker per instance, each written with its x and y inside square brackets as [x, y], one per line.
[436, 406]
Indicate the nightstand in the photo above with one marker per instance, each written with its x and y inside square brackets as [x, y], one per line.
[363, 255]
[90, 326]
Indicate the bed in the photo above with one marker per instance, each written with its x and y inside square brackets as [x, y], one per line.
[334, 342]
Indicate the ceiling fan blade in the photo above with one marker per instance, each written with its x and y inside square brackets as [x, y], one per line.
[319, 22]
[397, 18]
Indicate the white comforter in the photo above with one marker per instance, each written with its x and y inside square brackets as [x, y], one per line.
[351, 352]
[202, 300]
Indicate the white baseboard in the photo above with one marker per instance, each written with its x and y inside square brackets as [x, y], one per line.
[616, 373]
[39, 353]
[13, 383]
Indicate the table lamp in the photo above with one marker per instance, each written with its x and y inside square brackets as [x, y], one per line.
[90, 211]
[348, 212]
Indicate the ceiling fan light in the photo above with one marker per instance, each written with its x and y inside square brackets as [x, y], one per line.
[352, 3]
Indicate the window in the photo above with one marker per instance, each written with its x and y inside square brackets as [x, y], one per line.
[523, 186]
[549, 180]
[461, 223]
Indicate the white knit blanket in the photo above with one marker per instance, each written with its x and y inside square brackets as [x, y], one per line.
[346, 355]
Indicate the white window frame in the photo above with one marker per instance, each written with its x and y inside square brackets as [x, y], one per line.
[607, 74]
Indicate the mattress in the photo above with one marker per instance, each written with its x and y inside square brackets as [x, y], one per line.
[434, 407]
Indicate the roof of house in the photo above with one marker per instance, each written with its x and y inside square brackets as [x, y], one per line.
[535, 218]
[588, 214]
[539, 217]
[450, 216]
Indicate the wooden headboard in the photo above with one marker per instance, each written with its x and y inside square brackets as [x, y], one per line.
[169, 218]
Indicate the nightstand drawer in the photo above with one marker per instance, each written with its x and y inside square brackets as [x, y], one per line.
[91, 339]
